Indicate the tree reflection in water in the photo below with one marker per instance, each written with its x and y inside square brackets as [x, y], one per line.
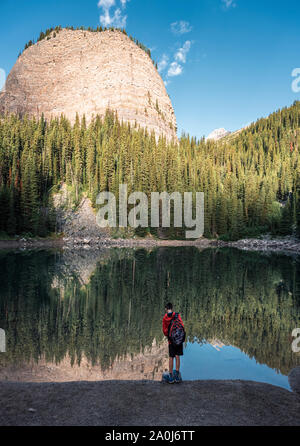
[103, 305]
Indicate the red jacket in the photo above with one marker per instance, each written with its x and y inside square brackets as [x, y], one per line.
[166, 322]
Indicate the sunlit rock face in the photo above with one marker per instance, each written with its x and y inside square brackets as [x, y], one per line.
[87, 73]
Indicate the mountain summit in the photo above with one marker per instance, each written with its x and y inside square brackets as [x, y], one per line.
[218, 134]
[87, 72]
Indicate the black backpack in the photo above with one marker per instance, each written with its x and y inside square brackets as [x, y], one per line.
[176, 332]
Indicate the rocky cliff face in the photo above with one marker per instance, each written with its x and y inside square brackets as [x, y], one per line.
[86, 73]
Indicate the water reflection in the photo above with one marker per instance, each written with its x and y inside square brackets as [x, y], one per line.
[97, 315]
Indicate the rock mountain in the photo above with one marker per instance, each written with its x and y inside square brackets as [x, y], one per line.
[218, 134]
[87, 73]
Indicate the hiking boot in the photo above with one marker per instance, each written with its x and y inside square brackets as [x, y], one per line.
[177, 376]
[170, 378]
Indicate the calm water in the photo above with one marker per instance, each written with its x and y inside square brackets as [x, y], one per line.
[97, 315]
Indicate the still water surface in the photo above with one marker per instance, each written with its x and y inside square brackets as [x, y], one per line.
[88, 315]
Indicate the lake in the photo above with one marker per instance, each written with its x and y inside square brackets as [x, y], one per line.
[91, 315]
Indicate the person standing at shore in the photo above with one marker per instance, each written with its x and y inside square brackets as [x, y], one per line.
[173, 329]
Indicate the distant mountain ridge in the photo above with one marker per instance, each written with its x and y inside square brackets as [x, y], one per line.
[218, 134]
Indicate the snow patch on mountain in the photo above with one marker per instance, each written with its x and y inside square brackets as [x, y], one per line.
[218, 134]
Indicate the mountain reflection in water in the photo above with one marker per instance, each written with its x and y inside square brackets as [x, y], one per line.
[89, 315]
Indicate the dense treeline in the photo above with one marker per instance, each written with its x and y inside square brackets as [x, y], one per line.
[242, 299]
[251, 180]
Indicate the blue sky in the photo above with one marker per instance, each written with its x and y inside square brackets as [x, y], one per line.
[225, 62]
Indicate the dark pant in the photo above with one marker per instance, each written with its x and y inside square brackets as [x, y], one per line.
[175, 350]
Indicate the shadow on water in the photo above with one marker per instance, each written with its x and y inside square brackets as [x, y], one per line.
[94, 309]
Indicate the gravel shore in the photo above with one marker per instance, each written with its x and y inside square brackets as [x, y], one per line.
[148, 403]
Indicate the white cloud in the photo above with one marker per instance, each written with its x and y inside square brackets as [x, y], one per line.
[181, 27]
[181, 54]
[228, 4]
[162, 64]
[115, 19]
[106, 4]
[175, 69]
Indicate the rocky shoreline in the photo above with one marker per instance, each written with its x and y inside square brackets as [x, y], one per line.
[286, 244]
[290, 244]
